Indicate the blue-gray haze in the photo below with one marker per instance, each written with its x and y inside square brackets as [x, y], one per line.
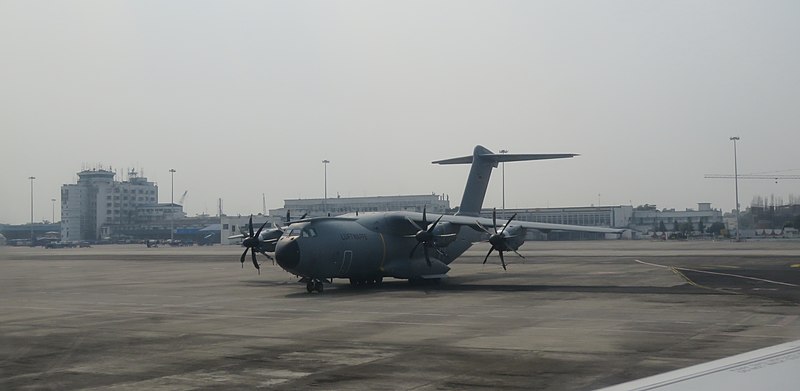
[248, 97]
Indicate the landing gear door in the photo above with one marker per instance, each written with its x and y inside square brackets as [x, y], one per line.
[347, 260]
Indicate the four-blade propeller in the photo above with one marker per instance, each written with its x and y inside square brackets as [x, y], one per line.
[499, 240]
[425, 236]
[253, 244]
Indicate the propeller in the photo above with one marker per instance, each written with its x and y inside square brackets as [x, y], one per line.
[252, 243]
[498, 240]
[425, 237]
[289, 217]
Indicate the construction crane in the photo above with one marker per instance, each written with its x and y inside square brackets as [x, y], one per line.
[775, 178]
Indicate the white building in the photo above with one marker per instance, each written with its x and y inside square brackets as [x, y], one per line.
[97, 202]
[319, 207]
[650, 218]
[618, 216]
[235, 225]
[595, 216]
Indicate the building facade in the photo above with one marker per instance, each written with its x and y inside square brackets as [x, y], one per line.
[618, 216]
[235, 225]
[595, 216]
[648, 218]
[93, 207]
[319, 207]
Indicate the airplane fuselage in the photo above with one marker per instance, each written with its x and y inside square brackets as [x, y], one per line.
[365, 248]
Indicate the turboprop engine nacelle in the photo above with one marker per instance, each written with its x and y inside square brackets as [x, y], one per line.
[515, 236]
[444, 234]
[269, 238]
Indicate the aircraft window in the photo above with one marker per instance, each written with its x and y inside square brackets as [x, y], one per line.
[294, 233]
[309, 233]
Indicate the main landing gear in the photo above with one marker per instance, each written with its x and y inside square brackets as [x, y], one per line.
[314, 285]
[365, 281]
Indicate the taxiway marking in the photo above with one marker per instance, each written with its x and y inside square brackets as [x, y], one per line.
[717, 273]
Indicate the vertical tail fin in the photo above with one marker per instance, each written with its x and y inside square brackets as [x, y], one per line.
[483, 161]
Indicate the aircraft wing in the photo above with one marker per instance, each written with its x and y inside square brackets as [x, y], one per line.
[544, 227]
[773, 368]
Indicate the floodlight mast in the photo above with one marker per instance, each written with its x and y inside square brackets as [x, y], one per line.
[736, 182]
[325, 193]
[172, 206]
[33, 242]
[503, 165]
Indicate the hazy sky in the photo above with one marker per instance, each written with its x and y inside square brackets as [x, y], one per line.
[248, 97]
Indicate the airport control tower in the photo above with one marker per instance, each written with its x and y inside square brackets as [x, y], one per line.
[97, 201]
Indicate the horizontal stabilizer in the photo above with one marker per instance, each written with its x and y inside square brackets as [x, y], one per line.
[507, 157]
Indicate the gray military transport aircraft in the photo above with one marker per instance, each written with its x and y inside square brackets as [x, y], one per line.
[366, 248]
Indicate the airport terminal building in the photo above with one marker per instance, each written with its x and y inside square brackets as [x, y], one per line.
[648, 218]
[319, 207]
[618, 216]
[639, 220]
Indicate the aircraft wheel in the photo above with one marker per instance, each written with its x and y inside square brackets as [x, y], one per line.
[319, 286]
[358, 282]
[310, 286]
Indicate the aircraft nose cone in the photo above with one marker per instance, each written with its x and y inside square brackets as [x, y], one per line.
[288, 255]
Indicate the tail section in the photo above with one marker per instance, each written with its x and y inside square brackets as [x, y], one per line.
[483, 161]
[477, 181]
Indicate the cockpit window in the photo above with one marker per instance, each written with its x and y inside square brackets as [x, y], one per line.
[293, 233]
[309, 233]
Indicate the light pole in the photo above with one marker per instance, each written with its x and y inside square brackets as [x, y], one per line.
[655, 221]
[53, 200]
[736, 181]
[503, 168]
[325, 194]
[172, 205]
[31, 178]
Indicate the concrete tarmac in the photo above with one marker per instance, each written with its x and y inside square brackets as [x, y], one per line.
[573, 315]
